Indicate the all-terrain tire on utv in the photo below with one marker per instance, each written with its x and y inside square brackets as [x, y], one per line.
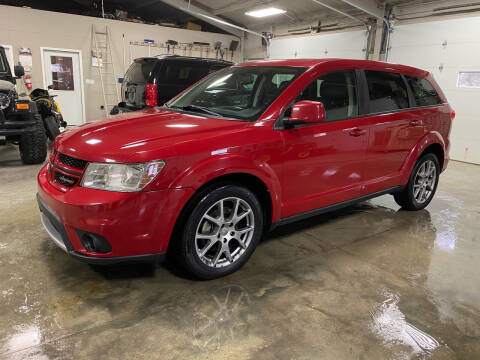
[33, 146]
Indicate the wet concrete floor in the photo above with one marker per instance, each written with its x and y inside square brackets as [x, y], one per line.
[368, 282]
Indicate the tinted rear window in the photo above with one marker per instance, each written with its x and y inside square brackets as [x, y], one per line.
[139, 71]
[387, 91]
[423, 91]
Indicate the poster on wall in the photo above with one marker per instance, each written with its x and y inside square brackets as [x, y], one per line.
[62, 73]
[25, 58]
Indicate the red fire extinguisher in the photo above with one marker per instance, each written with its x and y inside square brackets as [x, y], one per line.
[28, 82]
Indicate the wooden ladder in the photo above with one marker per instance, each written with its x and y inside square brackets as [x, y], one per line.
[106, 68]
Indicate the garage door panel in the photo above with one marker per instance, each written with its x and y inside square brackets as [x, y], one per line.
[348, 45]
[420, 45]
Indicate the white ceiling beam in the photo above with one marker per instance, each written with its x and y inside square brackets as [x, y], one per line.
[368, 6]
[208, 17]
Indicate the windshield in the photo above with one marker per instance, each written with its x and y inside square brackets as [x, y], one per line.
[242, 92]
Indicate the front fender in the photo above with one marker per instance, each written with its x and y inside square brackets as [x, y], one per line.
[433, 137]
[214, 167]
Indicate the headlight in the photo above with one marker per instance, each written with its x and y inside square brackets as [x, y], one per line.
[4, 101]
[120, 177]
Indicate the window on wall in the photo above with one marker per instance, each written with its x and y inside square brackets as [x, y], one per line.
[423, 91]
[387, 91]
[338, 93]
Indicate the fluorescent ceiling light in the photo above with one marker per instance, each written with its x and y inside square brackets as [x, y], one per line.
[265, 12]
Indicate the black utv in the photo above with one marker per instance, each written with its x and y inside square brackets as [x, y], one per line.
[20, 123]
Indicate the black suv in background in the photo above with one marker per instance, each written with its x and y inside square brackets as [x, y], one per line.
[20, 122]
[152, 81]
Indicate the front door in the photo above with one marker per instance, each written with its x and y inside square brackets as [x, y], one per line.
[62, 71]
[324, 163]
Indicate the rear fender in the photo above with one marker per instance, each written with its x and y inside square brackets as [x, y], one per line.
[428, 139]
[214, 167]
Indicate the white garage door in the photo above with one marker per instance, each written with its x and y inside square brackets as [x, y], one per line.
[348, 45]
[446, 48]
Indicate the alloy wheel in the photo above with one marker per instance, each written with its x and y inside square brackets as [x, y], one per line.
[224, 232]
[424, 182]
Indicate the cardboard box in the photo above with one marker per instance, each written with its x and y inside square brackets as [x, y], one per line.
[192, 26]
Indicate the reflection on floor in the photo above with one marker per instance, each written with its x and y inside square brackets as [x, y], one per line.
[370, 281]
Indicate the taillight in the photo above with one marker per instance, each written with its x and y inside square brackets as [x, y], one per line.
[452, 114]
[151, 95]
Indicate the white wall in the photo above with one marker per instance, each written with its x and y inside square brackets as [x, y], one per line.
[347, 45]
[420, 45]
[30, 28]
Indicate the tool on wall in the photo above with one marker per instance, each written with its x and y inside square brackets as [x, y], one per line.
[171, 45]
[233, 47]
[218, 47]
[106, 68]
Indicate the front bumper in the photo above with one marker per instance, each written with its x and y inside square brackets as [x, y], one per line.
[136, 225]
[54, 227]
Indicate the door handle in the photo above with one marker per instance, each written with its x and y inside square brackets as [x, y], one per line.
[358, 132]
[416, 123]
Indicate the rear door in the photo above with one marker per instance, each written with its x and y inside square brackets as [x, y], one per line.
[394, 128]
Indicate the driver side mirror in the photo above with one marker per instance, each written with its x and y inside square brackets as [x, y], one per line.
[306, 112]
[19, 71]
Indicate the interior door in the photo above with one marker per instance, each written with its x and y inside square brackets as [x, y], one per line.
[62, 71]
[324, 163]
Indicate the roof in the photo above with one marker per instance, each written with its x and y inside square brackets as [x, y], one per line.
[180, 57]
[359, 64]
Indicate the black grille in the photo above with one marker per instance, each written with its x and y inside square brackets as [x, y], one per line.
[72, 162]
[65, 180]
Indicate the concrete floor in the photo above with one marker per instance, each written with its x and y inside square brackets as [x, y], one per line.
[368, 282]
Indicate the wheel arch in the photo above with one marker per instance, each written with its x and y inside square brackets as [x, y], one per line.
[245, 179]
[431, 142]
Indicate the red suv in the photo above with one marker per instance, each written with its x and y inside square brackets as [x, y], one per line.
[248, 148]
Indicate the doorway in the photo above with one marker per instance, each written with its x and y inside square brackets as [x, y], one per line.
[9, 54]
[62, 69]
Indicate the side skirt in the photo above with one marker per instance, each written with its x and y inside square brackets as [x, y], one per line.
[333, 207]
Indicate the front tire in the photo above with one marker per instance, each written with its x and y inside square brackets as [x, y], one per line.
[422, 184]
[221, 232]
[33, 146]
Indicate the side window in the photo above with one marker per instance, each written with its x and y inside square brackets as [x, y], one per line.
[177, 73]
[338, 93]
[279, 80]
[423, 92]
[387, 91]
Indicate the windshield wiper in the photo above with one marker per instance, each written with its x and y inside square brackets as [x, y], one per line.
[196, 108]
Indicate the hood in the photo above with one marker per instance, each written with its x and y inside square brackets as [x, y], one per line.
[6, 86]
[118, 138]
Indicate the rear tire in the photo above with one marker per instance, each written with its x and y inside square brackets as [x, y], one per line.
[33, 146]
[51, 127]
[215, 243]
[422, 184]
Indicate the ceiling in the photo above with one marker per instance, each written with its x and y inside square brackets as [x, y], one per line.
[154, 11]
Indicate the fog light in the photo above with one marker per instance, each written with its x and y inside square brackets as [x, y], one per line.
[94, 242]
